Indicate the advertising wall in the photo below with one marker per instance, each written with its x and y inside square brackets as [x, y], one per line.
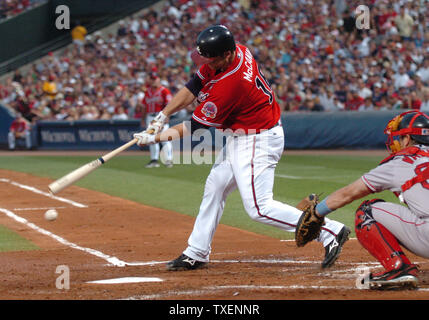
[348, 130]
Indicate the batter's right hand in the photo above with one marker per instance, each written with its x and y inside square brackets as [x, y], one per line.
[144, 138]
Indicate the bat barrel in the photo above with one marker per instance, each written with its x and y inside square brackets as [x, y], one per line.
[81, 172]
[74, 176]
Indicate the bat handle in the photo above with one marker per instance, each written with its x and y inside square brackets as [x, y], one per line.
[110, 155]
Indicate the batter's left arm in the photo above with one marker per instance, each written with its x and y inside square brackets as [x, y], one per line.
[179, 101]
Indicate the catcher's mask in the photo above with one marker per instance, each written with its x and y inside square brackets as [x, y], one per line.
[414, 123]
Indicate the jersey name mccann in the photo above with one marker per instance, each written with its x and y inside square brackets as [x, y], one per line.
[238, 98]
[248, 74]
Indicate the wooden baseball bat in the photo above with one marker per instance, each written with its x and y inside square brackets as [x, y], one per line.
[84, 170]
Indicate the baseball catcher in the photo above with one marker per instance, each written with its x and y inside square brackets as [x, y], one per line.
[382, 227]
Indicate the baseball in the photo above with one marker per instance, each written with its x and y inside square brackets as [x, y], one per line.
[51, 214]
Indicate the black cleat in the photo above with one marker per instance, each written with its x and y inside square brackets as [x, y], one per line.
[185, 263]
[333, 249]
[404, 277]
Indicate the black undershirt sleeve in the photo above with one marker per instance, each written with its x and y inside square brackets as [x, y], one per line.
[194, 85]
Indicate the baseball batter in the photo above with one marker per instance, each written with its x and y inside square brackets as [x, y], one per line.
[382, 227]
[233, 94]
[156, 98]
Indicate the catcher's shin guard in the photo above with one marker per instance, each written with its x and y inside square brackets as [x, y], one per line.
[375, 238]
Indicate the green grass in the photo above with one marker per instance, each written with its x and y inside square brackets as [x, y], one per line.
[180, 188]
[11, 241]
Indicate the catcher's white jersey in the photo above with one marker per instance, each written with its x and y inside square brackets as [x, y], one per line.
[409, 224]
[393, 174]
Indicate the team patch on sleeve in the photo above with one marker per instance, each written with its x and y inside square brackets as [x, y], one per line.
[209, 109]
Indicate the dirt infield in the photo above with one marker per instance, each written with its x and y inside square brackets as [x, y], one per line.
[99, 237]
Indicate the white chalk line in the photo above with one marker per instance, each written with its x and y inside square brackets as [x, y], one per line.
[268, 261]
[37, 209]
[213, 289]
[111, 260]
[46, 194]
[292, 240]
[126, 280]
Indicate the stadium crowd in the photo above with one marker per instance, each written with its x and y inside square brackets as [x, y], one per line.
[10, 8]
[314, 56]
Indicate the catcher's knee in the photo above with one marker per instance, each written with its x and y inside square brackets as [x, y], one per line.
[363, 215]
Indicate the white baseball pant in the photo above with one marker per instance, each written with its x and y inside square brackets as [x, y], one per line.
[411, 231]
[12, 140]
[167, 146]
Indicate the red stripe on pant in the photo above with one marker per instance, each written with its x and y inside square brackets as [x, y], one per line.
[254, 194]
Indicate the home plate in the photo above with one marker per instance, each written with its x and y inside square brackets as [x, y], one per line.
[127, 280]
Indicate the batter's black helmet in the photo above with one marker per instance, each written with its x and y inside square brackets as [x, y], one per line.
[416, 120]
[214, 41]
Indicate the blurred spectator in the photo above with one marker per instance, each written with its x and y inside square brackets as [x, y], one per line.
[89, 113]
[405, 24]
[50, 87]
[367, 105]
[120, 114]
[425, 101]
[328, 99]
[17, 77]
[423, 72]
[315, 105]
[19, 129]
[402, 79]
[353, 101]
[363, 91]
[78, 34]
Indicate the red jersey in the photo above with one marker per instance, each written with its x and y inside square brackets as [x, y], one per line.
[238, 98]
[354, 103]
[156, 99]
[19, 126]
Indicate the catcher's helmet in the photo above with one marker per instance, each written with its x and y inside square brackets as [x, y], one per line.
[414, 123]
[214, 41]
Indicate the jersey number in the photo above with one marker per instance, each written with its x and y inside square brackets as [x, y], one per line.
[423, 169]
[262, 84]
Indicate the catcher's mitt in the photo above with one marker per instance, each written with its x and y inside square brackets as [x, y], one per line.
[309, 224]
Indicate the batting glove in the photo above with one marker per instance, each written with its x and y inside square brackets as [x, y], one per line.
[144, 138]
[157, 123]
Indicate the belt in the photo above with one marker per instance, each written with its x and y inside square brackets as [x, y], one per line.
[278, 124]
